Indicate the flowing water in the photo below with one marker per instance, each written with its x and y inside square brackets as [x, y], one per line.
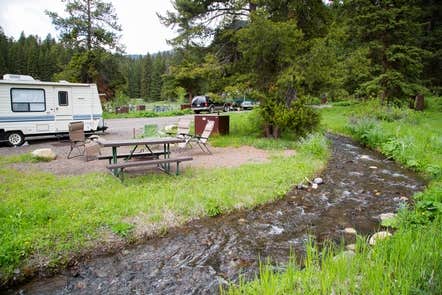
[359, 184]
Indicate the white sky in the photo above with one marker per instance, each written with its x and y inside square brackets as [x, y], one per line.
[142, 31]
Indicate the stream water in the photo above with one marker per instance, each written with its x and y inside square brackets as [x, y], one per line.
[359, 184]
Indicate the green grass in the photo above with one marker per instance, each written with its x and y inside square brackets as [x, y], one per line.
[146, 114]
[411, 261]
[46, 218]
[245, 130]
[22, 158]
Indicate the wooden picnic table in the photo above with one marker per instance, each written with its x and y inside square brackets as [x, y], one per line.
[146, 142]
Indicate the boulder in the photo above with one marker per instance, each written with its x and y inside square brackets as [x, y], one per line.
[385, 216]
[302, 186]
[347, 254]
[46, 154]
[314, 186]
[318, 180]
[378, 236]
[350, 231]
[351, 247]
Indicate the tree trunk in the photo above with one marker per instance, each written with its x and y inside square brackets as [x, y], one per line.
[276, 132]
[252, 6]
[89, 26]
[419, 103]
[268, 130]
[411, 102]
[190, 96]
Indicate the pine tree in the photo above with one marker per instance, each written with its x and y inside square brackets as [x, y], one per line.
[392, 31]
[146, 77]
[4, 54]
[90, 24]
[158, 70]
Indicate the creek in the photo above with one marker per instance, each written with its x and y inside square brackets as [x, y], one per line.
[359, 185]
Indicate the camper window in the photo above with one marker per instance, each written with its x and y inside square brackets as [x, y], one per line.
[28, 100]
[63, 98]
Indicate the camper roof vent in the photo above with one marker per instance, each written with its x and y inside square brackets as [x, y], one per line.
[17, 77]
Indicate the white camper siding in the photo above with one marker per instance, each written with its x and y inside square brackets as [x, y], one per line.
[83, 105]
[27, 122]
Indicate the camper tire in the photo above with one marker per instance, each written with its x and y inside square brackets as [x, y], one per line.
[15, 138]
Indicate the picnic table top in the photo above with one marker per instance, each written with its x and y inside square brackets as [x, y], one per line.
[139, 141]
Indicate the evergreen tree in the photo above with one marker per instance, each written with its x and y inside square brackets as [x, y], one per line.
[392, 32]
[4, 52]
[91, 28]
[432, 41]
[158, 70]
[90, 24]
[134, 77]
[146, 77]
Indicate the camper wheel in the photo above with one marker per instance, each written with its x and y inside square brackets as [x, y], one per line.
[15, 138]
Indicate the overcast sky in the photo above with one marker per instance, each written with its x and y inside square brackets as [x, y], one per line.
[142, 31]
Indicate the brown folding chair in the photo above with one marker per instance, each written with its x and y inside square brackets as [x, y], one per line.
[202, 139]
[77, 138]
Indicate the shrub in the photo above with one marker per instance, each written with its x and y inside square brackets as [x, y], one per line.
[298, 119]
[366, 131]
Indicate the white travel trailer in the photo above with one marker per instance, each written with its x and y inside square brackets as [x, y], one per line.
[30, 107]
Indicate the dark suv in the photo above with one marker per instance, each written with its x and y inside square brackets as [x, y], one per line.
[203, 103]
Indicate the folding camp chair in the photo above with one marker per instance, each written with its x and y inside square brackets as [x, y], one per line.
[202, 139]
[77, 138]
[183, 132]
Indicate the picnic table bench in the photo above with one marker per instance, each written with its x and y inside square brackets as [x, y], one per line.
[151, 162]
[152, 156]
[143, 155]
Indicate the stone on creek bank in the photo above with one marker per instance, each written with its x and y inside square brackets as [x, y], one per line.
[347, 254]
[378, 237]
[350, 231]
[318, 180]
[314, 184]
[46, 154]
[351, 247]
[386, 216]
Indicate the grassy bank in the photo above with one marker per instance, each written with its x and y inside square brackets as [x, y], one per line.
[45, 219]
[408, 263]
[411, 261]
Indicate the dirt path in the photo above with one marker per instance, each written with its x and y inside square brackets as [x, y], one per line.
[125, 128]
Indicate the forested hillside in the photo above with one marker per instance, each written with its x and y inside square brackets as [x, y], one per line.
[46, 59]
[262, 49]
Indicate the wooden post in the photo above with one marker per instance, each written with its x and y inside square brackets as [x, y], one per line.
[419, 102]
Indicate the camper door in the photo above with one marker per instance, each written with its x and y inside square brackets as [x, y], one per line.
[63, 108]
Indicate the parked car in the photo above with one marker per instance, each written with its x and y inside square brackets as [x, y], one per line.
[203, 103]
[243, 104]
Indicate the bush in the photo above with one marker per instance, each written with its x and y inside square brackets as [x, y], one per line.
[388, 113]
[298, 119]
[366, 131]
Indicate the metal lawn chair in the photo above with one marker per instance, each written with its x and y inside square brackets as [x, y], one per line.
[77, 139]
[202, 139]
[183, 132]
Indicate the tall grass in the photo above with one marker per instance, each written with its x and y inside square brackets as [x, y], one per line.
[410, 262]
